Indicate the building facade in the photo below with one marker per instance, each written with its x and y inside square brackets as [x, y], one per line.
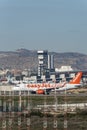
[42, 61]
[45, 62]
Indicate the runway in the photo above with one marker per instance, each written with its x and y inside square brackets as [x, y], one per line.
[27, 93]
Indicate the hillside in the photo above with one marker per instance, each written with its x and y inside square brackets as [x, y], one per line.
[23, 58]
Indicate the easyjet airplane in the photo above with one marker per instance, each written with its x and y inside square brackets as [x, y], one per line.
[43, 88]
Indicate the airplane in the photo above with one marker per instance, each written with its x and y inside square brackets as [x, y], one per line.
[45, 88]
[74, 83]
[37, 88]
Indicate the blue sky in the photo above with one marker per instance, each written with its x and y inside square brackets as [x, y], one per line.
[54, 25]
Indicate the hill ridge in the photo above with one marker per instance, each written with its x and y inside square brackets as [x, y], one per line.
[24, 58]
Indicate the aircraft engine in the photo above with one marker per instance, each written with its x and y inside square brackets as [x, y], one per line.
[40, 91]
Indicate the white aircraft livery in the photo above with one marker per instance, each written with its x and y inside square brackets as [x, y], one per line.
[42, 88]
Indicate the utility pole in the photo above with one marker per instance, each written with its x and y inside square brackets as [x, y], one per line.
[4, 114]
[45, 114]
[65, 112]
[10, 110]
[56, 103]
[28, 118]
[19, 110]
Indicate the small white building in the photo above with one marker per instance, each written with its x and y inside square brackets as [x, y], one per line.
[64, 68]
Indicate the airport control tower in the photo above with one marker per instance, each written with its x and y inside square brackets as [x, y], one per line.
[45, 61]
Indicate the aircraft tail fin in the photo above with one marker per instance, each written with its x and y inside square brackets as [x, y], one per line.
[77, 79]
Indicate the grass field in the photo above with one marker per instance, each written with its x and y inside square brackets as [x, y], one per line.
[34, 119]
